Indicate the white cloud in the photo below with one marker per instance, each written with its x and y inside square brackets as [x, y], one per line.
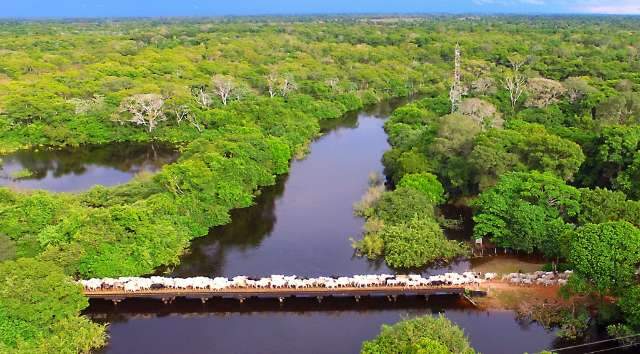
[619, 7]
[622, 7]
[615, 9]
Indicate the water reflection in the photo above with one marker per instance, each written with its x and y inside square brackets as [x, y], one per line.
[337, 325]
[247, 231]
[79, 168]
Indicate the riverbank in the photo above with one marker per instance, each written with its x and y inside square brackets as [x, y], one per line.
[504, 296]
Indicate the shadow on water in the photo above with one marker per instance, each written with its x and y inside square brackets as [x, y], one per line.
[105, 310]
[79, 168]
[381, 110]
[249, 228]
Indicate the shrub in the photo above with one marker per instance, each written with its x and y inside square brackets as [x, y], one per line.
[416, 243]
[426, 183]
[426, 334]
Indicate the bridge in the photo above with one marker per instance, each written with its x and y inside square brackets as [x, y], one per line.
[241, 294]
[280, 287]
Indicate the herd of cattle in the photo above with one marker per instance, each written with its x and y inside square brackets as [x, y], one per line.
[538, 278]
[134, 284]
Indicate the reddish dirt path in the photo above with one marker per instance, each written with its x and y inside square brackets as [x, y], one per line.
[502, 295]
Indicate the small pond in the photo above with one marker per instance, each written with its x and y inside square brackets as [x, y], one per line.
[75, 169]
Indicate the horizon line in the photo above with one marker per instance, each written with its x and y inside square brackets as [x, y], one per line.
[327, 15]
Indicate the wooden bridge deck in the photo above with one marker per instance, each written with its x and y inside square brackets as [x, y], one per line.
[168, 295]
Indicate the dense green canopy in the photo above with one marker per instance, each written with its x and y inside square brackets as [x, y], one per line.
[426, 183]
[428, 334]
[606, 255]
[39, 311]
[527, 211]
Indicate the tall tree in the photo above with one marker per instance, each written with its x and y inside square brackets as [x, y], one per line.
[543, 92]
[515, 83]
[527, 211]
[143, 109]
[606, 255]
[223, 86]
[426, 334]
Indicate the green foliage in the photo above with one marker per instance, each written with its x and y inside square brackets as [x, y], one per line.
[549, 116]
[573, 326]
[21, 174]
[7, 248]
[399, 163]
[401, 225]
[620, 330]
[371, 245]
[417, 242]
[630, 305]
[455, 135]
[402, 205]
[426, 334]
[602, 205]
[526, 147]
[527, 211]
[426, 183]
[606, 255]
[39, 308]
[429, 346]
[617, 158]
[620, 109]
[365, 207]
[23, 217]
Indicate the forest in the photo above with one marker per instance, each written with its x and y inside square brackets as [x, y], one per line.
[533, 122]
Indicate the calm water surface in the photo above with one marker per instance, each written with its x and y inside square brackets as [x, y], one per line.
[298, 326]
[80, 168]
[300, 226]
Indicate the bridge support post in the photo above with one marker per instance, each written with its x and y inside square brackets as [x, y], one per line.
[426, 298]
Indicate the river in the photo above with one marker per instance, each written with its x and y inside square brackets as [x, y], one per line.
[301, 226]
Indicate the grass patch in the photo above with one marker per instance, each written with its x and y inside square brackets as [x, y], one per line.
[505, 265]
[22, 174]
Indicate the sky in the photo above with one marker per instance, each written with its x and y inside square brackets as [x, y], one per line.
[146, 8]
